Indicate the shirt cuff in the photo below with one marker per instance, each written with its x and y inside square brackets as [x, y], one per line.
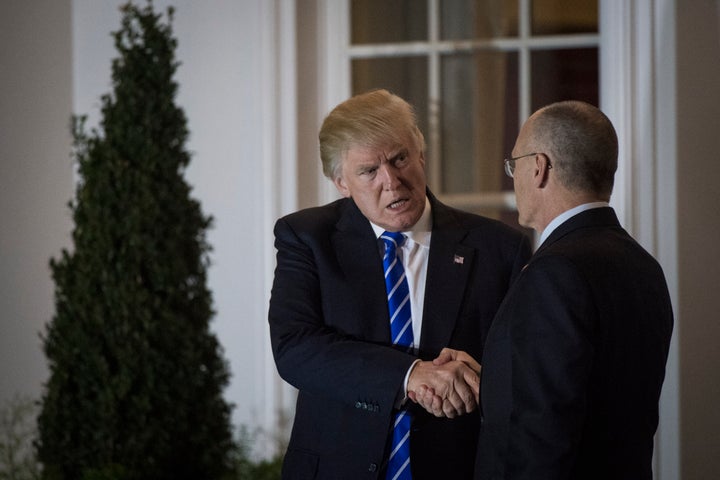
[400, 401]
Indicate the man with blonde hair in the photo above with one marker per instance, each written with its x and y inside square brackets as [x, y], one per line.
[368, 290]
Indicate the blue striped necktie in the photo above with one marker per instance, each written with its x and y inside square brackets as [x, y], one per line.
[402, 335]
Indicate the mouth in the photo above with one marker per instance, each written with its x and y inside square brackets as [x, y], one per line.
[398, 204]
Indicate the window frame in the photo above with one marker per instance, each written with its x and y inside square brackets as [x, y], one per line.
[343, 53]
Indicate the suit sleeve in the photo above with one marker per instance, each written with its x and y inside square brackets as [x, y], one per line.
[309, 352]
[552, 351]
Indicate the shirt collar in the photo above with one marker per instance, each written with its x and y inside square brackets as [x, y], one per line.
[567, 215]
[420, 232]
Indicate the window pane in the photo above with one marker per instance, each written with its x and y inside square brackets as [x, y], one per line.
[387, 21]
[468, 19]
[403, 76]
[478, 120]
[554, 17]
[568, 74]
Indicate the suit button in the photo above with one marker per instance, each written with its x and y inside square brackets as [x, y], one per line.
[372, 467]
[358, 405]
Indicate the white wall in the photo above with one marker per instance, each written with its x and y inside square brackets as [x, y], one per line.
[698, 191]
[223, 90]
[35, 180]
[56, 60]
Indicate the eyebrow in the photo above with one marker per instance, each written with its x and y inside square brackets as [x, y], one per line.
[391, 158]
[402, 151]
[366, 167]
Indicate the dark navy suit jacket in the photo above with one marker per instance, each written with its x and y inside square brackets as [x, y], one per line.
[330, 335]
[575, 360]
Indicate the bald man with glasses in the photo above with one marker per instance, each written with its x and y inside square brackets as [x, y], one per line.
[575, 358]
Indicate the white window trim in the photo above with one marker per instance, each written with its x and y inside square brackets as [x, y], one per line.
[279, 164]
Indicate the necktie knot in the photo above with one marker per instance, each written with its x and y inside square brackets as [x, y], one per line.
[393, 240]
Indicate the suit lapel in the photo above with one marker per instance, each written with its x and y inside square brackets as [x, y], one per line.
[359, 258]
[449, 266]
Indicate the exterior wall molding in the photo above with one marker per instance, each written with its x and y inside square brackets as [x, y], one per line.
[279, 175]
[638, 92]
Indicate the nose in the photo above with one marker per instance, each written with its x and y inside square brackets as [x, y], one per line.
[389, 177]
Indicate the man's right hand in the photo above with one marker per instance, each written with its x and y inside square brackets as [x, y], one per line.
[448, 386]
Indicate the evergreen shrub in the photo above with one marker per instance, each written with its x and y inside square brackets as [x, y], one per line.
[136, 376]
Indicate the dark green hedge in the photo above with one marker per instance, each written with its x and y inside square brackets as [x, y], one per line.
[136, 376]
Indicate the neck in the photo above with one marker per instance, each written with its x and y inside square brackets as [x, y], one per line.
[560, 204]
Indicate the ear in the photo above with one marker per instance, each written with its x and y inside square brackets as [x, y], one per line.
[341, 186]
[542, 170]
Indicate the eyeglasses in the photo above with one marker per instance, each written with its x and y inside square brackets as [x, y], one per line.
[510, 163]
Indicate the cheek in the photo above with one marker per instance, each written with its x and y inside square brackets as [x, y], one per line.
[520, 195]
[370, 193]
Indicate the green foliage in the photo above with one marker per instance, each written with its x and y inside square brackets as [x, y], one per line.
[263, 470]
[136, 376]
[19, 462]
[247, 469]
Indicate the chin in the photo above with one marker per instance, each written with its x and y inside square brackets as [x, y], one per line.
[410, 223]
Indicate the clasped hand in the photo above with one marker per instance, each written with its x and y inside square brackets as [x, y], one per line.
[448, 386]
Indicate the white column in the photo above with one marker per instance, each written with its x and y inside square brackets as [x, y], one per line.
[637, 92]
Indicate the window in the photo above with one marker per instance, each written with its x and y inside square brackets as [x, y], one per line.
[475, 70]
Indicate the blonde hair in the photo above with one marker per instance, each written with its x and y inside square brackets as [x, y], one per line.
[370, 119]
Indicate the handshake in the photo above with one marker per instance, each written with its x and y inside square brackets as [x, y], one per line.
[448, 386]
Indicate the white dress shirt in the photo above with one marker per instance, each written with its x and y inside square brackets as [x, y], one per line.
[414, 255]
[567, 215]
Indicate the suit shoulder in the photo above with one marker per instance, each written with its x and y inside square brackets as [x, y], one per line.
[603, 253]
[312, 219]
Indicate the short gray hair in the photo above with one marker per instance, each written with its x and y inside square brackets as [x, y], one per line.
[581, 143]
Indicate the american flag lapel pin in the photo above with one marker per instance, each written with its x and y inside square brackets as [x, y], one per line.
[458, 259]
